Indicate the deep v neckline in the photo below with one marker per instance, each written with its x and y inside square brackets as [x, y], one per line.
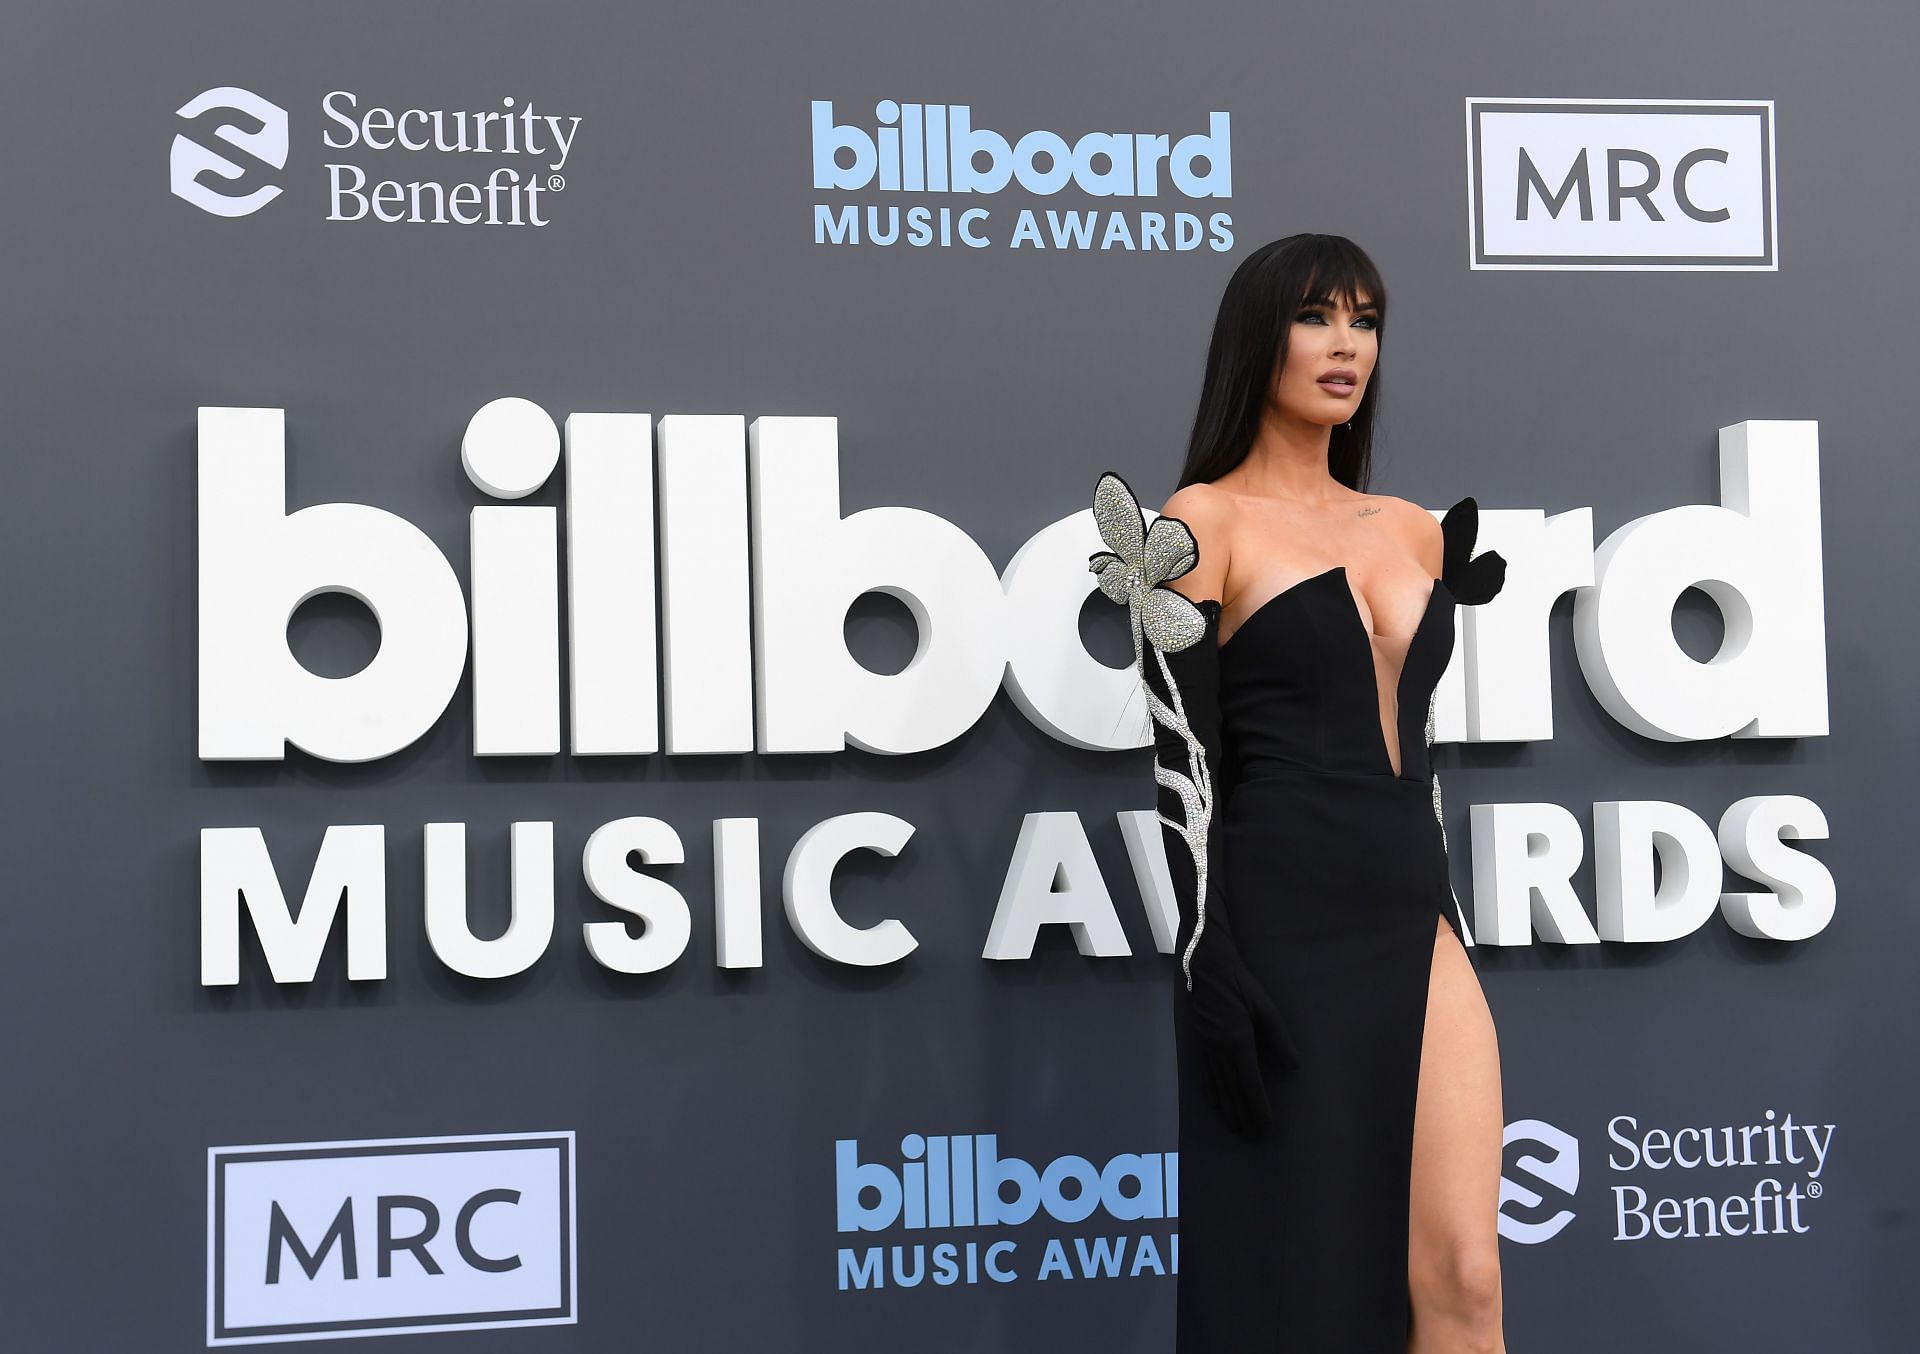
[1353, 609]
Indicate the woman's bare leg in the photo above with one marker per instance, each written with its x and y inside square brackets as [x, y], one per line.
[1453, 1261]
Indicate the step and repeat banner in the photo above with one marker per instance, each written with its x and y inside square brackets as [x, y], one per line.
[567, 784]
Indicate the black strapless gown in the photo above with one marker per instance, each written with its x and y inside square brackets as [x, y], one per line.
[1337, 872]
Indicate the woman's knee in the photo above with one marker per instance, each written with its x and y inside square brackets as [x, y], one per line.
[1463, 1283]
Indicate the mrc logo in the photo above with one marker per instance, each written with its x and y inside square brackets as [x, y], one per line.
[1621, 184]
[196, 169]
[393, 1236]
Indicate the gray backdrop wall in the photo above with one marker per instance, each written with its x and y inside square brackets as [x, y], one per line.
[679, 272]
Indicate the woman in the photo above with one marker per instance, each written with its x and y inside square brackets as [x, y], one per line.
[1339, 1082]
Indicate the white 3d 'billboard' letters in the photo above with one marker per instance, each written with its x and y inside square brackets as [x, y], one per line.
[757, 568]
[258, 563]
[1758, 557]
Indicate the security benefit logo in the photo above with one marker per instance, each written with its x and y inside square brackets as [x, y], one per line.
[1715, 1180]
[388, 1237]
[953, 171]
[1672, 184]
[1669, 1182]
[212, 177]
[946, 1211]
[1537, 1181]
[493, 166]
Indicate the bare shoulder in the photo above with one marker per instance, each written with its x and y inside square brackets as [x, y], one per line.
[1200, 506]
[1418, 527]
[1208, 512]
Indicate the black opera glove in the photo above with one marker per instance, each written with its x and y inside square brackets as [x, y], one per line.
[1474, 580]
[1177, 653]
[1233, 1018]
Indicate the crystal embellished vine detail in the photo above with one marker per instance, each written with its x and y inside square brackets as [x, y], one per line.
[1133, 571]
[1438, 816]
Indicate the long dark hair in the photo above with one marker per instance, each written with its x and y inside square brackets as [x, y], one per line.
[1249, 346]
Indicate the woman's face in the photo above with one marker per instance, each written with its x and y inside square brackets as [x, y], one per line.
[1330, 357]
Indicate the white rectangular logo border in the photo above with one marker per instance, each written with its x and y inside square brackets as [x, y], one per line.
[567, 1315]
[1477, 258]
